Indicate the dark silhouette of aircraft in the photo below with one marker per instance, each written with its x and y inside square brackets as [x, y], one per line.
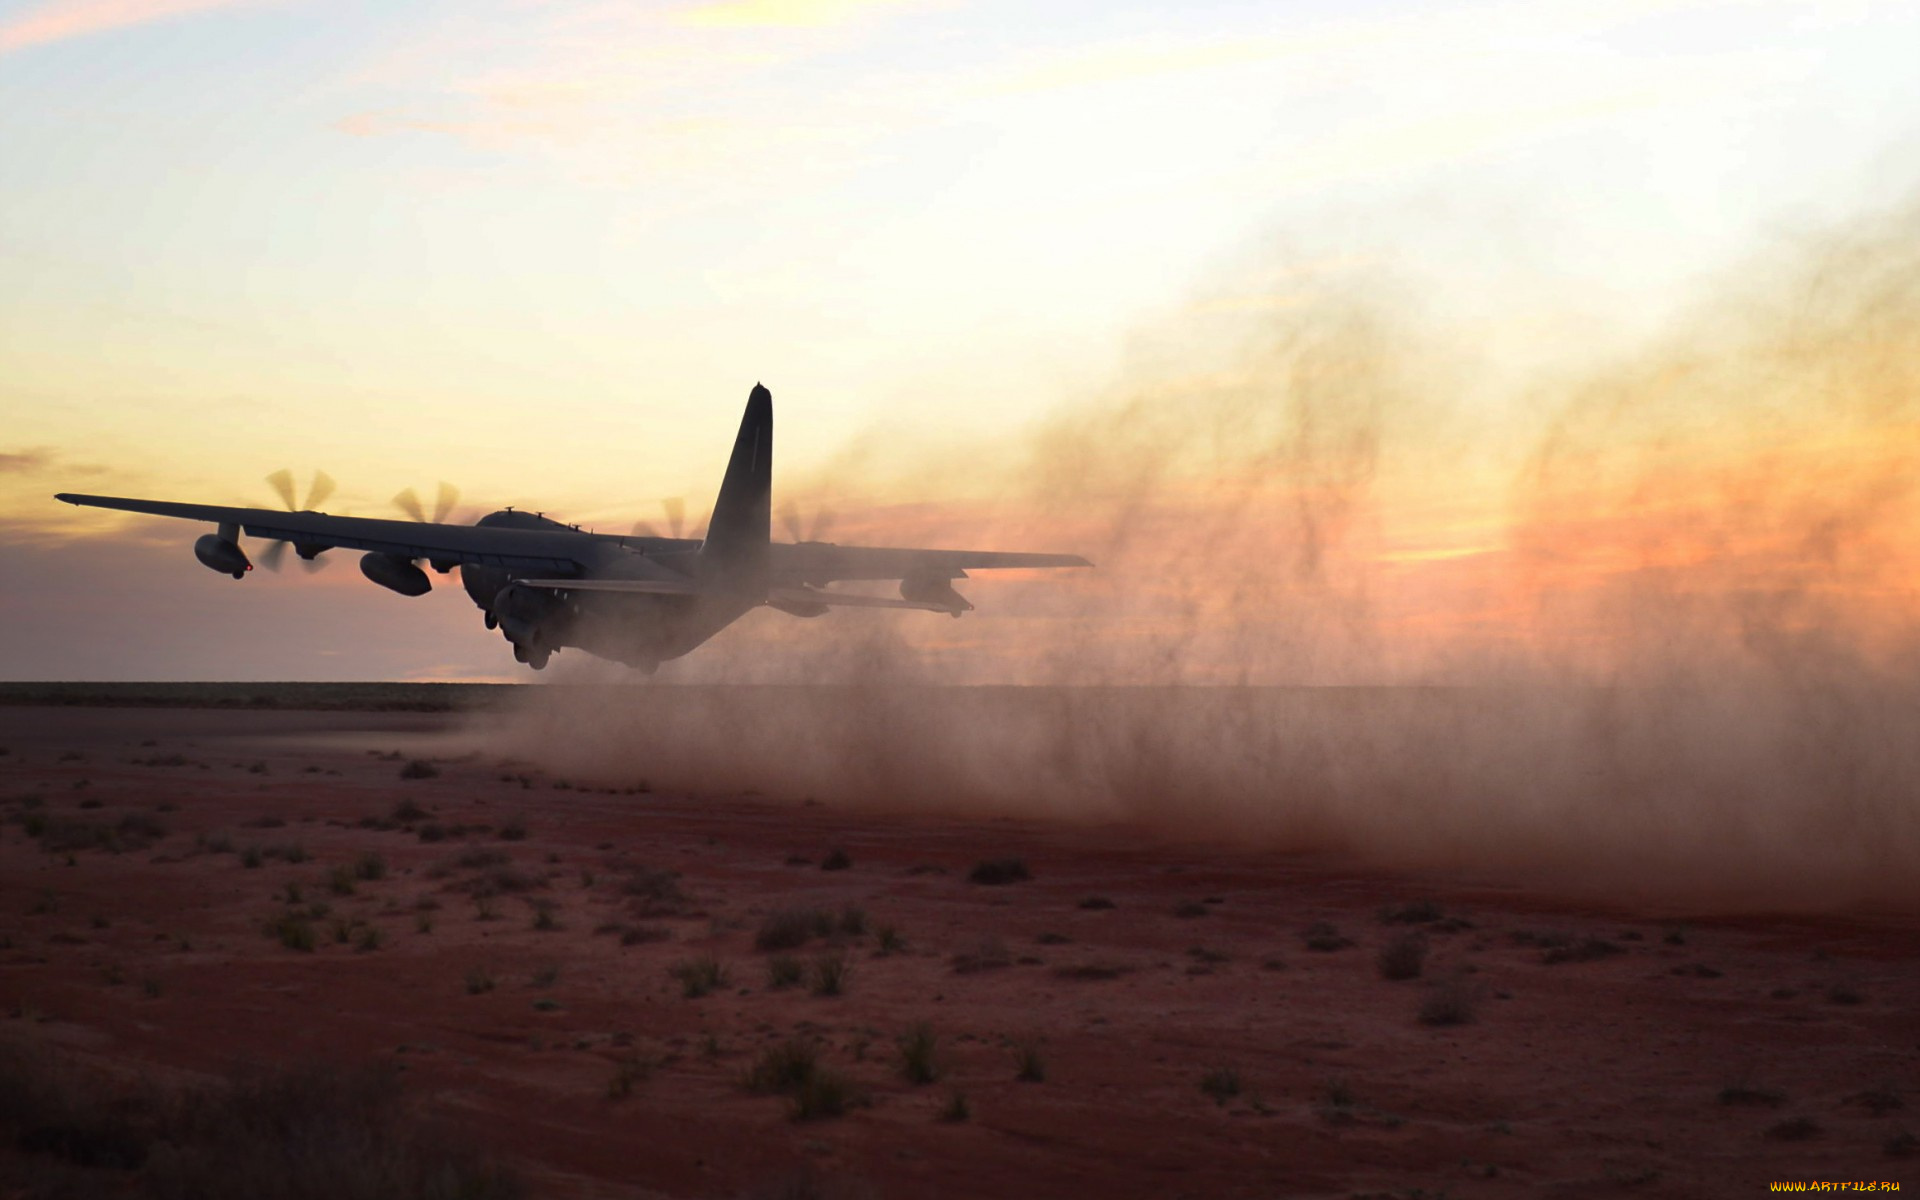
[637, 600]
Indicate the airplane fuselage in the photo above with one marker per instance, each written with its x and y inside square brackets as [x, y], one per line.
[638, 630]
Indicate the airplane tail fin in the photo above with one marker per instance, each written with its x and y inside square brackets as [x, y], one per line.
[735, 551]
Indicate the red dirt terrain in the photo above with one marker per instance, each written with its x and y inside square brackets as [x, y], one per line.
[1205, 1022]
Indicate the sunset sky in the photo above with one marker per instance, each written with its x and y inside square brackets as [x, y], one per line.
[543, 248]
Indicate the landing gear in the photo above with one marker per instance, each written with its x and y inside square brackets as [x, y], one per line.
[519, 652]
[538, 660]
[493, 621]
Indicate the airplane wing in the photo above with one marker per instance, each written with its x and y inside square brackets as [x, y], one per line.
[822, 562]
[552, 550]
[805, 597]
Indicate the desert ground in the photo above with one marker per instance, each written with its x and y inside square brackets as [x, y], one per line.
[623, 992]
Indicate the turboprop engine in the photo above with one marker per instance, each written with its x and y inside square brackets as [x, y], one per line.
[935, 590]
[396, 574]
[222, 554]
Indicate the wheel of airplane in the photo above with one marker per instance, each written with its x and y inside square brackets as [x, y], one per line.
[519, 653]
[538, 660]
[493, 622]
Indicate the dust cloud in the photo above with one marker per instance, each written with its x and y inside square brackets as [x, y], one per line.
[1644, 630]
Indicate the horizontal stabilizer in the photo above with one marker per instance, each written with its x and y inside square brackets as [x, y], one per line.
[801, 596]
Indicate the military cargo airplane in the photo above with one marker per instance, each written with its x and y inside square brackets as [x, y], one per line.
[638, 600]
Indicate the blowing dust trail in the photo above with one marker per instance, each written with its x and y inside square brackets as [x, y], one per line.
[1662, 642]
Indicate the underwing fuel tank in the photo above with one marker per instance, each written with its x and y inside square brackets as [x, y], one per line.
[221, 554]
[396, 574]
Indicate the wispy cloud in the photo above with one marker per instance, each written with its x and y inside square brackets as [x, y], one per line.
[58, 20]
[21, 462]
[785, 14]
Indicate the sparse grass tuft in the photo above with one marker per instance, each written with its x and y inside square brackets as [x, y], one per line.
[544, 919]
[419, 768]
[888, 941]
[479, 981]
[791, 928]
[513, 830]
[920, 1054]
[824, 1094]
[1029, 1066]
[1405, 957]
[340, 880]
[699, 976]
[628, 1070]
[836, 860]
[829, 974]
[956, 1108]
[784, 971]
[784, 1068]
[995, 872]
[1096, 903]
[369, 866]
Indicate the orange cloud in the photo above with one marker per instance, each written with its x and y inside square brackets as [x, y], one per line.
[59, 20]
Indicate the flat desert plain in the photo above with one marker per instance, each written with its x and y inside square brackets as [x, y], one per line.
[610, 988]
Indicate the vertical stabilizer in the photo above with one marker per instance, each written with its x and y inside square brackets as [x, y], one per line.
[735, 552]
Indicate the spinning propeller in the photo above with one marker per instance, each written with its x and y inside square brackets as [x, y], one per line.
[676, 510]
[815, 530]
[409, 502]
[318, 490]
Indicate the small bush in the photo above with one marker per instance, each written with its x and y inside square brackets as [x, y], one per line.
[836, 860]
[1420, 912]
[995, 872]
[654, 893]
[419, 768]
[989, 954]
[1221, 1083]
[1096, 903]
[514, 830]
[640, 935]
[1744, 1092]
[1189, 909]
[369, 866]
[543, 917]
[1405, 957]
[887, 941]
[1324, 938]
[1793, 1129]
[479, 981]
[369, 939]
[829, 974]
[853, 922]
[407, 812]
[699, 976]
[251, 858]
[919, 1054]
[294, 931]
[340, 880]
[1589, 949]
[1450, 1002]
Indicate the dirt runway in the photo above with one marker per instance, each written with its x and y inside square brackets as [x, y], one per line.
[1206, 1021]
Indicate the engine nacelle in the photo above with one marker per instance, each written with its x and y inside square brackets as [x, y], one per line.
[934, 591]
[221, 554]
[396, 574]
[521, 611]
